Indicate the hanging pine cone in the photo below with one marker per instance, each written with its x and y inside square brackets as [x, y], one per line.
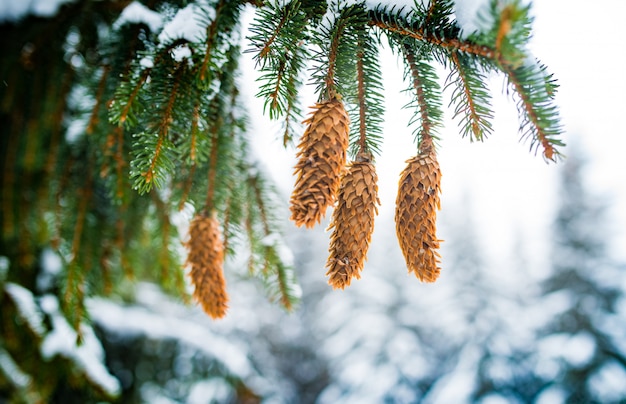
[206, 258]
[416, 213]
[352, 223]
[321, 160]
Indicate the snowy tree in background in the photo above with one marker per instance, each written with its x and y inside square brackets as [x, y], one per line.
[581, 353]
[121, 124]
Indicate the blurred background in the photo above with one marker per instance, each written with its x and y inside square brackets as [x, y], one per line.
[531, 302]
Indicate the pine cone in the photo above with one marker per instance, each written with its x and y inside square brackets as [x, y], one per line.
[416, 213]
[352, 224]
[321, 160]
[206, 257]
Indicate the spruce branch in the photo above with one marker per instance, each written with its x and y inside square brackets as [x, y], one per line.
[286, 14]
[278, 276]
[73, 296]
[122, 108]
[212, 171]
[211, 30]
[361, 96]
[471, 96]
[427, 98]
[171, 277]
[336, 43]
[253, 182]
[193, 155]
[445, 38]
[120, 162]
[366, 137]
[93, 120]
[431, 11]
[154, 153]
[280, 54]
[540, 119]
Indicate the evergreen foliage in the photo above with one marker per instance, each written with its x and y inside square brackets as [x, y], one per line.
[111, 124]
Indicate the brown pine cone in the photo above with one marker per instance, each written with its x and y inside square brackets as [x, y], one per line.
[206, 258]
[321, 160]
[416, 213]
[352, 224]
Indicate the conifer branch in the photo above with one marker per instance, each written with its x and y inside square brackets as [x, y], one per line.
[264, 52]
[105, 265]
[361, 97]
[253, 182]
[56, 238]
[187, 187]
[421, 99]
[74, 287]
[171, 277]
[164, 251]
[57, 121]
[504, 27]
[226, 221]
[210, 41]
[280, 73]
[329, 81]
[387, 24]
[278, 276]
[120, 243]
[120, 161]
[212, 171]
[129, 103]
[364, 96]
[8, 186]
[193, 148]
[540, 121]
[280, 54]
[290, 113]
[431, 11]
[424, 86]
[471, 97]
[93, 120]
[193, 155]
[251, 238]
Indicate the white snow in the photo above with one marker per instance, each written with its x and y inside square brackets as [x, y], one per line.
[472, 15]
[4, 266]
[14, 10]
[180, 53]
[456, 386]
[51, 262]
[171, 321]
[26, 307]
[213, 390]
[185, 24]
[136, 13]
[146, 62]
[577, 349]
[608, 383]
[334, 6]
[88, 356]
[51, 266]
[12, 371]
[551, 395]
